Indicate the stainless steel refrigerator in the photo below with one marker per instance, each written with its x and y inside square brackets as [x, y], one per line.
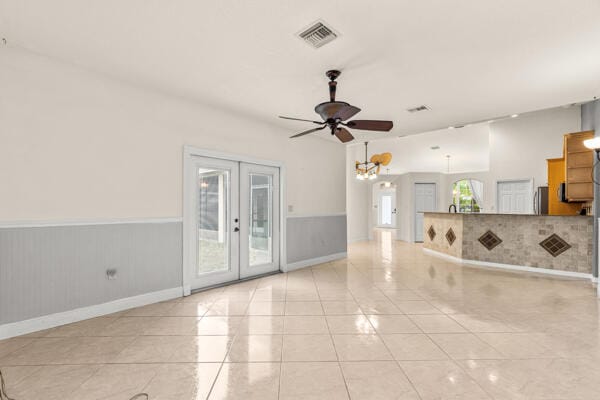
[540, 200]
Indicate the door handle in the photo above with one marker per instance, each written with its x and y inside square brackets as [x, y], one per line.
[236, 229]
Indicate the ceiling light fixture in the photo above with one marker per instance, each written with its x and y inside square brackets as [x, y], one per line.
[514, 115]
[371, 166]
[593, 144]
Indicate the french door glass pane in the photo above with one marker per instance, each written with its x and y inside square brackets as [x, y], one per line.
[261, 218]
[213, 232]
[386, 209]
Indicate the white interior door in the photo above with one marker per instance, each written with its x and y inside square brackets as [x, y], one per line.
[515, 197]
[259, 216]
[425, 200]
[215, 222]
[386, 209]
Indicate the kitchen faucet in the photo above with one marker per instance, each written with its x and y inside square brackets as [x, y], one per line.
[450, 208]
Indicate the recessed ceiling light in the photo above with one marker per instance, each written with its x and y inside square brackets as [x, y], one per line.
[514, 115]
[450, 127]
[491, 120]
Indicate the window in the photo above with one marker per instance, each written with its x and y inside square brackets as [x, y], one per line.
[467, 195]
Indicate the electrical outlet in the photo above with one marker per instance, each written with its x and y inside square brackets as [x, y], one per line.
[111, 273]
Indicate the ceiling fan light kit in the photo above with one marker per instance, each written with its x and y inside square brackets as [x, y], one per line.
[335, 113]
[369, 169]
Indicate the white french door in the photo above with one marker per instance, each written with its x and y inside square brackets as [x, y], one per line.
[259, 217]
[233, 225]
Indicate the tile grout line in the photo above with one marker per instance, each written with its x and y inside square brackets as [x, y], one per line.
[392, 354]
[282, 333]
[339, 365]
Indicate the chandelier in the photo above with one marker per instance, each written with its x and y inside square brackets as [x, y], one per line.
[369, 169]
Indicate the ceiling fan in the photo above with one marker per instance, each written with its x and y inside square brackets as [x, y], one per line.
[334, 113]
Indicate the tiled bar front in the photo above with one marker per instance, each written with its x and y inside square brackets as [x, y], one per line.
[540, 241]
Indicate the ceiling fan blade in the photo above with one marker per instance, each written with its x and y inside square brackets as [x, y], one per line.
[299, 119]
[369, 125]
[343, 135]
[346, 112]
[307, 132]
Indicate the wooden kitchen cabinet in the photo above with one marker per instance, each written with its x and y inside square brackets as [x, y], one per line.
[556, 176]
[579, 162]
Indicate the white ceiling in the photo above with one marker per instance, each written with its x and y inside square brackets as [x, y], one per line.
[468, 60]
[469, 148]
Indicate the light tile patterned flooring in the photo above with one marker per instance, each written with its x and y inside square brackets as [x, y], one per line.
[387, 323]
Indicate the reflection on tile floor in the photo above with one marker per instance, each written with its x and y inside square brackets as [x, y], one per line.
[387, 323]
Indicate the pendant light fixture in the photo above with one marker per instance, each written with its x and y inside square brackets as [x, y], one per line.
[369, 169]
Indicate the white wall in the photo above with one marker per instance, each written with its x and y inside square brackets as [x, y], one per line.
[520, 146]
[469, 147]
[357, 199]
[405, 200]
[77, 145]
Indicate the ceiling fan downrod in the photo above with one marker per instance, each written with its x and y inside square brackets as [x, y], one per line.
[332, 75]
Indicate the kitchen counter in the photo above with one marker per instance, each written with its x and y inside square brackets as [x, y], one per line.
[512, 215]
[552, 243]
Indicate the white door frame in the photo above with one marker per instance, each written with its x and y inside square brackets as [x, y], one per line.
[414, 218]
[188, 206]
[531, 182]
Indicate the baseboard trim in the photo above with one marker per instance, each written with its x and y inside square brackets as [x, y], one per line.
[511, 267]
[79, 314]
[314, 261]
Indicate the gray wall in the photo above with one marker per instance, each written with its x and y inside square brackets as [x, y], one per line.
[590, 120]
[46, 270]
[312, 237]
[590, 116]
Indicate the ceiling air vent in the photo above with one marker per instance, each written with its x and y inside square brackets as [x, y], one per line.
[318, 34]
[418, 108]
